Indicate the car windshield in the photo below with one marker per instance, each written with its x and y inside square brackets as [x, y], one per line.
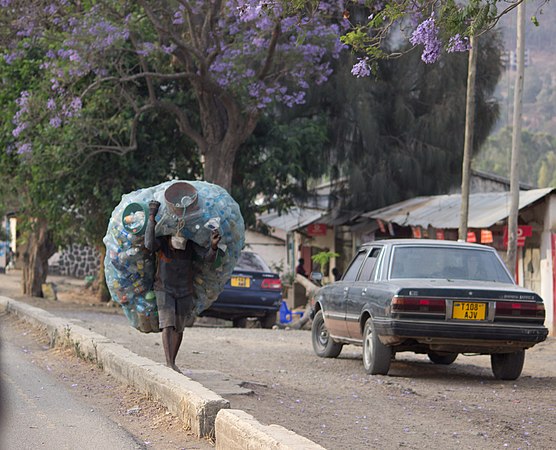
[251, 261]
[447, 262]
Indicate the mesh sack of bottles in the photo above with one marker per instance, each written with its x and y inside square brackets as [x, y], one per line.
[191, 209]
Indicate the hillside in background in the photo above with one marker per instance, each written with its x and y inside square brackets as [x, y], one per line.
[538, 160]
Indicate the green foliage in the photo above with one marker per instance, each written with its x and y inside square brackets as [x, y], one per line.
[275, 164]
[401, 134]
[67, 181]
[537, 157]
[323, 258]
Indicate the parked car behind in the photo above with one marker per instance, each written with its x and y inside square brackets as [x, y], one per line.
[439, 298]
[252, 291]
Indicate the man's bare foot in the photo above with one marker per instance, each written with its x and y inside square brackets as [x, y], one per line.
[173, 366]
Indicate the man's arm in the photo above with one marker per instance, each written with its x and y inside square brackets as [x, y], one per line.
[210, 254]
[151, 242]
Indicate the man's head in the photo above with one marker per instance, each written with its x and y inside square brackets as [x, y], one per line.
[301, 261]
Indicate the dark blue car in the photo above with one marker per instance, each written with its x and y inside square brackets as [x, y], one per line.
[252, 291]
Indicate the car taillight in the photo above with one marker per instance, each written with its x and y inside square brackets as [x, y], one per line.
[519, 309]
[271, 283]
[418, 304]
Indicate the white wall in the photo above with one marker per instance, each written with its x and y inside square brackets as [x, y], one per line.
[547, 269]
[271, 249]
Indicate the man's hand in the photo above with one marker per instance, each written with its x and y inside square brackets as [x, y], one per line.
[153, 207]
[215, 239]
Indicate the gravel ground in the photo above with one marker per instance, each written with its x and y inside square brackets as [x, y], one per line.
[332, 401]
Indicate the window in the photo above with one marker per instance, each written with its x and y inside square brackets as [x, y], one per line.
[353, 269]
[448, 263]
[369, 265]
[251, 261]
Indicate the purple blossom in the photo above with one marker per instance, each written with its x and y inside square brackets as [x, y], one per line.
[5, 3]
[17, 130]
[458, 43]
[76, 104]
[23, 147]
[55, 122]
[361, 68]
[178, 18]
[11, 57]
[50, 9]
[168, 49]
[427, 34]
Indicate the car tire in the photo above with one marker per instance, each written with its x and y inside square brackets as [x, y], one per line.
[507, 366]
[442, 358]
[323, 345]
[376, 355]
[268, 320]
[240, 322]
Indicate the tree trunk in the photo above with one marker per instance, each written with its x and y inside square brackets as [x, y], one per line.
[225, 128]
[468, 144]
[516, 142]
[218, 165]
[103, 292]
[35, 258]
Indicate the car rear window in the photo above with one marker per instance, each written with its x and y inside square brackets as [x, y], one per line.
[251, 261]
[448, 262]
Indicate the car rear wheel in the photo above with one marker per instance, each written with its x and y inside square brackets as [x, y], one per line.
[376, 355]
[268, 320]
[507, 366]
[442, 358]
[240, 322]
[323, 345]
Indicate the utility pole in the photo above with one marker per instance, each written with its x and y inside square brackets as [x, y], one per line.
[516, 140]
[468, 143]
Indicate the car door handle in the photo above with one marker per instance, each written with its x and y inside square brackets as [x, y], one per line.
[346, 289]
[364, 291]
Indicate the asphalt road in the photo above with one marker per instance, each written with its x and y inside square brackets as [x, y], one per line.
[39, 412]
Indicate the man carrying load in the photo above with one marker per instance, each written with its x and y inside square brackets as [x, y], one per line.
[173, 283]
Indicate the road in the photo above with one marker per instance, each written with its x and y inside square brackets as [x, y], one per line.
[40, 412]
[419, 405]
[51, 400]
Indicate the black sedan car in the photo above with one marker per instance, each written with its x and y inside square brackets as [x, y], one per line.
[438, 298]
[252, 291]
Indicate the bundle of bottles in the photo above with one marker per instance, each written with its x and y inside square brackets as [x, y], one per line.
[193, 210]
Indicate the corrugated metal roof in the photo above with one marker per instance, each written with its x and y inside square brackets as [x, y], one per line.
[443, 211]
[294, 219]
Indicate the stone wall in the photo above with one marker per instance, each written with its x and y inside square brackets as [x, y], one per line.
[76, 260]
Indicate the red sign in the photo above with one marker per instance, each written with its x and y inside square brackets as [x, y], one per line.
[523, 231]
[486, 237]
[416, 232]
[316, 229]
[440, 235]
[471, 237]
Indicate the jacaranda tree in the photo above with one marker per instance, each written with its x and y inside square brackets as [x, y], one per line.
[235, 58]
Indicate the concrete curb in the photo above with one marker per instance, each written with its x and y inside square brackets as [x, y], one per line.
[190, 401]
[237, 430]
[206, 413]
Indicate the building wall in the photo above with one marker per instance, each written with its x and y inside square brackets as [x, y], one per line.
[76, 260]
[548, 244]
[271, 249]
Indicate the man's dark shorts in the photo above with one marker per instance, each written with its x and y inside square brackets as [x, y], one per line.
[173, 311]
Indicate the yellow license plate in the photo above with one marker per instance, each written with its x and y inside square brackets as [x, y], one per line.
[244, 282]
[469, 311]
